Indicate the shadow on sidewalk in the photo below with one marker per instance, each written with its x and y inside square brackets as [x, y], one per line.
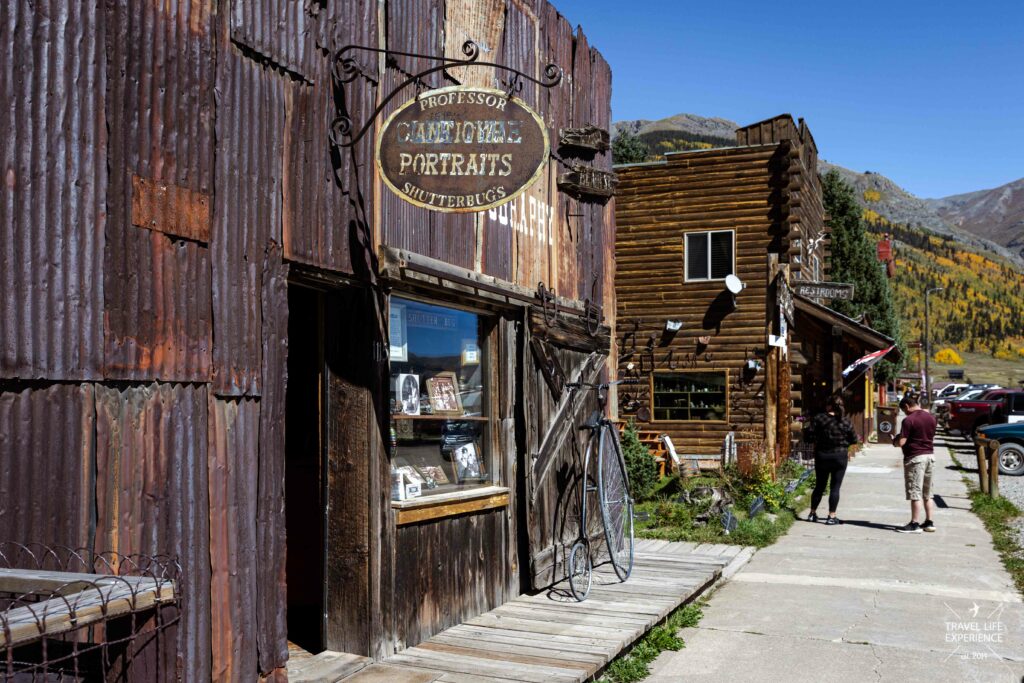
[870, 525]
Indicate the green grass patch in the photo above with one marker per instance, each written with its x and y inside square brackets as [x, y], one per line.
[664, 518]
[996, 514]
[635, 665]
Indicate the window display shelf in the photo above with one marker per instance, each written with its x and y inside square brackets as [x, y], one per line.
[449, 504]
[450, 418]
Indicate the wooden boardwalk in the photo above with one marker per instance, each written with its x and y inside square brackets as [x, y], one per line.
[551, 637]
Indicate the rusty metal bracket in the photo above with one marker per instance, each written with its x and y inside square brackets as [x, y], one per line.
[592, 312]
[548, 304]
[346, 69]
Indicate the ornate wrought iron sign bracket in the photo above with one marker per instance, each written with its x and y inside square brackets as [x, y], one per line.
[346, 69]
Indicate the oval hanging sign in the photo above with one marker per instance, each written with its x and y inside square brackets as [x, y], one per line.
[462, 149]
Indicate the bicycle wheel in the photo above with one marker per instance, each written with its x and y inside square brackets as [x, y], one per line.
[580, 570]
[615, 502]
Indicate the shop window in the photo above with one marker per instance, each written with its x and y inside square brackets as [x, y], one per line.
[709, 255]
[439, 400]
[690, 396]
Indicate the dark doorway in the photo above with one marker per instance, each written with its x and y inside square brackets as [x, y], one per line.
[304, 500]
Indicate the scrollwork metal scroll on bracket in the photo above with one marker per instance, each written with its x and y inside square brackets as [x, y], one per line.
[346, 69]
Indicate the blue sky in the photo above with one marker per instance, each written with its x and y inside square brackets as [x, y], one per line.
[930, 94]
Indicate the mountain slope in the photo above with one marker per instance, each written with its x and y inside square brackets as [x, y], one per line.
[680, 133]
[996, 214]
[691, 124]
[881, 197]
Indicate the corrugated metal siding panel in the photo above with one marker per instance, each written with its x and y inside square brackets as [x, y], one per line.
[413, 26]
[46, 465]
[247, 213]
[233, 454]
[54, 180]
[281, 30]
[152, 494]
[271, 586]
[328, 195]
[160, 120]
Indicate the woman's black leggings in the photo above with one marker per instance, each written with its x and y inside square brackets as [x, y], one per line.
[826, 465]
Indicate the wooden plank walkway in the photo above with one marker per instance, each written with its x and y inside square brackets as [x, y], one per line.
[551, 637]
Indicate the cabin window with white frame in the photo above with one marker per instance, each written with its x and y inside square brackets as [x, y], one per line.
[709, 255]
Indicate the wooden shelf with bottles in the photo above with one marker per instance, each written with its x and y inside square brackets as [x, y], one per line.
[702, 401]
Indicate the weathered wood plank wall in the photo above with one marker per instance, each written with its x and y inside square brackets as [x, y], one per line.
[179, 154]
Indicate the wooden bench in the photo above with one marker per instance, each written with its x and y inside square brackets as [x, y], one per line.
[78, 600]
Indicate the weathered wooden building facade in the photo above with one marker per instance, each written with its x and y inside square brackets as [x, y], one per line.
[709, 246]
[222, 338]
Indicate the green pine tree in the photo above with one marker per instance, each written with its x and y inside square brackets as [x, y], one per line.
[628, 149]
[854, 261]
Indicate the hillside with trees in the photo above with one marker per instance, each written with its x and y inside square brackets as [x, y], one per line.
[981, 309]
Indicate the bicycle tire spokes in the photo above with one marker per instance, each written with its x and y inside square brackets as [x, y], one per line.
[580, 570]
[616, 503]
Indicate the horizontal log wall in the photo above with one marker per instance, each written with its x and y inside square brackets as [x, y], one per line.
[656, 206]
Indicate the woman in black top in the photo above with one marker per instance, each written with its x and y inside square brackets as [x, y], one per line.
[832, 435]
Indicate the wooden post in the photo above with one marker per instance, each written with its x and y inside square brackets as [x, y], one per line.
[982, 469]
[993, 469]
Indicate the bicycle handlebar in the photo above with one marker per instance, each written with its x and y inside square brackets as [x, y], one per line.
[605, 385]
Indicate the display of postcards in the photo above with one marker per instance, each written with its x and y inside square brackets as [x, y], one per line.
[435, 474]
[411, 475]
[467, 463]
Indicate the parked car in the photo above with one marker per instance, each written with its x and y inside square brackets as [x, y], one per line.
[940, 408]
[950, 390]
[1011, 445]
[993, 407]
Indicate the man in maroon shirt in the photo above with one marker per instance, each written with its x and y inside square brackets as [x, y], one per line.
[917, 438]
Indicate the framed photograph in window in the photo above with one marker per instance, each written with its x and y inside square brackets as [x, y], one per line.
[443, 389]
[407, 391]
[467, 463]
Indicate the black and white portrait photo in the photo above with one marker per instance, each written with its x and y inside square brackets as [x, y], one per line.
[408, 391]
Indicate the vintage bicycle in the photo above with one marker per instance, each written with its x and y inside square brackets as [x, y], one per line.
[604, 474]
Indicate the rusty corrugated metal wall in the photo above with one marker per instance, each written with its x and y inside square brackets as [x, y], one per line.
[163, 165]
[53, 211]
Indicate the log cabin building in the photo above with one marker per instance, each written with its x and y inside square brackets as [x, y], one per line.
[709, 247]
[225, 340]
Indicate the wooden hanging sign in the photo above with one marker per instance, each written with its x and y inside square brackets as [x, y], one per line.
[587, 180]
[462, 149]
[588, 137]
[824, 290]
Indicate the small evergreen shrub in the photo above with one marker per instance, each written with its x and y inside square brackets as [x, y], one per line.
[640, 466]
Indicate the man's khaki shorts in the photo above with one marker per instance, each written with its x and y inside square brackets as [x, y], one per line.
[917, 476]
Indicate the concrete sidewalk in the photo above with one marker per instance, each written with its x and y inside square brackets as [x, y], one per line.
[859, 602]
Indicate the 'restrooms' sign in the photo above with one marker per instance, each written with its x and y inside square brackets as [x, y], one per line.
[462, 149]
